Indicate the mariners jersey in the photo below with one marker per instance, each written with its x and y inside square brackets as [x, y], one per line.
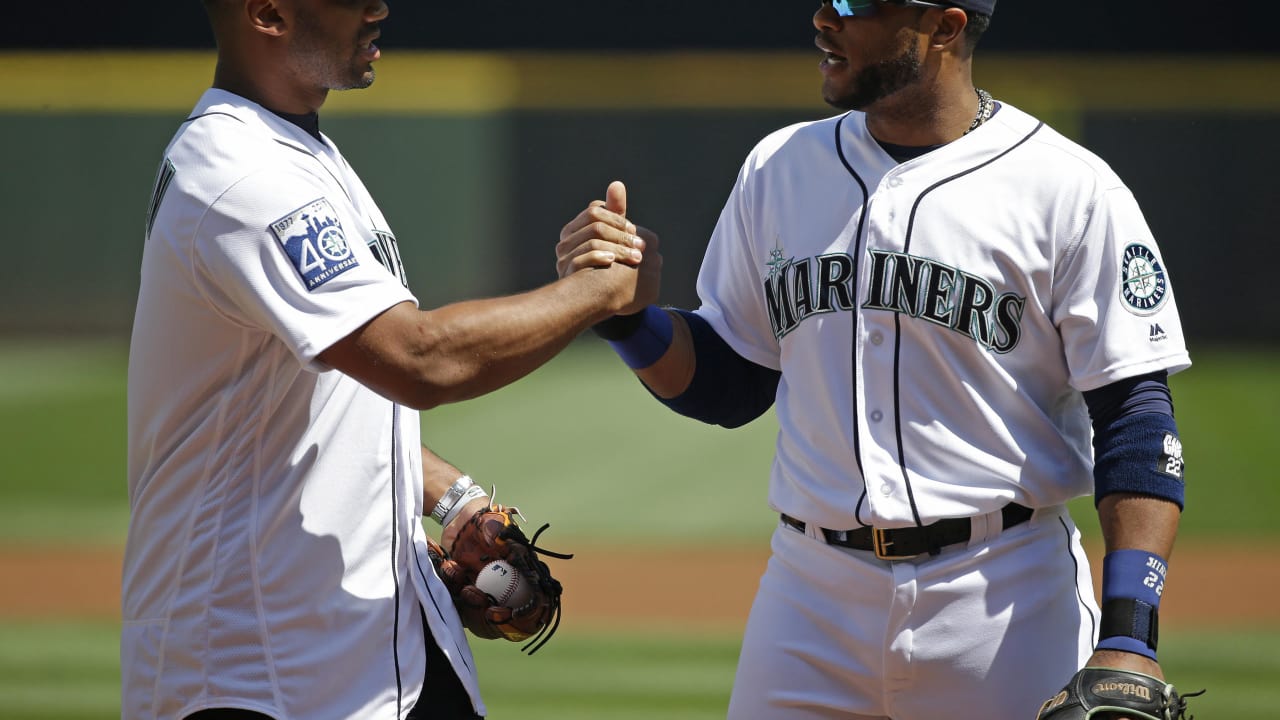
[935, 321]
[276, 559]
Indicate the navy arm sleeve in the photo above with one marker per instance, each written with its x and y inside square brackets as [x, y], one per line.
[1135, 439]
[727, 389]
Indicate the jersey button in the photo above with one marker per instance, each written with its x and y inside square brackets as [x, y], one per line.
[885, 490]
[895, 181]
[876, 416]
[877, 338]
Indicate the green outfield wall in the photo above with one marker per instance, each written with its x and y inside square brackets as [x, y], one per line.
[478, 159]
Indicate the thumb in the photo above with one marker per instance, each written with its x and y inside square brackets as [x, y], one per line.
[616, 198]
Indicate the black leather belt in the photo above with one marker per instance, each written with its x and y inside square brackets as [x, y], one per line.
[910, 542]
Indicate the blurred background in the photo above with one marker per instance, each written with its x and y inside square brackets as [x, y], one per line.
[489, 127]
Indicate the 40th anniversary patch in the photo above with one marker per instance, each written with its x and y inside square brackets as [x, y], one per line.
[1143, 283]
[313, 239]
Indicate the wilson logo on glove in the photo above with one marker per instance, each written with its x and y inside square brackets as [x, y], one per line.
[1096, 692]
[1121, 690]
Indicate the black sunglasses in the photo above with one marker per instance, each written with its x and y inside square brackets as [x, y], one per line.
[866, 8]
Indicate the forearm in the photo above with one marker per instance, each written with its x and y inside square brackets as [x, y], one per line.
[427, 358]
[671, 374]
[690, 368]
[471, 348]
[1135, 522]
[438, 477]
[1138, 522]
[1139, 489]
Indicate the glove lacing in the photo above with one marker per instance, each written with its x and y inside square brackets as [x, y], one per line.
[1180, 712]
[551, 586]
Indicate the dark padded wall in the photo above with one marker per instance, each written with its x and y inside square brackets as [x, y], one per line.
[1178, 26]
[1209, 189]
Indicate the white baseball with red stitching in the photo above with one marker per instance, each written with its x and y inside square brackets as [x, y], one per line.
[505, 584]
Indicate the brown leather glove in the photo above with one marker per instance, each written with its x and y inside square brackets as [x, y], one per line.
[492, 534]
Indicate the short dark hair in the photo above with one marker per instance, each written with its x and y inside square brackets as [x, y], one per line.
[973, 29]
[978, 24]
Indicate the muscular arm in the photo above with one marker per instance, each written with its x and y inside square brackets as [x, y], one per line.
[427, 358]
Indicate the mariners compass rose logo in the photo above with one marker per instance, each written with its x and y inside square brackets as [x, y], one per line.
[1143, 285]
[777, 263]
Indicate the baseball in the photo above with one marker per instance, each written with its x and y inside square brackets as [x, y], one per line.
[502, 582]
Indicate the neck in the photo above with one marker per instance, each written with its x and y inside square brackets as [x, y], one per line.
[925, 116]
[274, 91]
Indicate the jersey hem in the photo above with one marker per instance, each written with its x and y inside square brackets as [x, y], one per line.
[1170, 363]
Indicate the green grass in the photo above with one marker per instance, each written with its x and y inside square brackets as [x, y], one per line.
[68, 671]
[59, 671]
[580, 444]
[62, 441]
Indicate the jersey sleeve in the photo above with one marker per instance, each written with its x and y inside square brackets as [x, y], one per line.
[1115, 308]
[729, 282]
[278, 252]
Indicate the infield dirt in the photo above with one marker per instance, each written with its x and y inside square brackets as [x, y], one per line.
[606, 586]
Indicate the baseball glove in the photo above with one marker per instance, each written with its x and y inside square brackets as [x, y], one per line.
[492, 534]
[1102, 693]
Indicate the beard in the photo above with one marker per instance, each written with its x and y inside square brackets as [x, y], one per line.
[877, 81]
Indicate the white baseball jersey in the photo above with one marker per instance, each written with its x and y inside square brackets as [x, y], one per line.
[935, 321]
[276, 559]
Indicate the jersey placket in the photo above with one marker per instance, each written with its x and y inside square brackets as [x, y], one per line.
[878, 359]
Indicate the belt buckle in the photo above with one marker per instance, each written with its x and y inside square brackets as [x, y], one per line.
[881, 543]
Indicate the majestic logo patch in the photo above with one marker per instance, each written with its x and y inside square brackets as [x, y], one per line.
[1143, 284]
[312, 237]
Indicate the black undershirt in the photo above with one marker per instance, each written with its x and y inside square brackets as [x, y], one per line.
[310, 122]
[903, 153]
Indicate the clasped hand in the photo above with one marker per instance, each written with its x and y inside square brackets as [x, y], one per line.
[601, 238]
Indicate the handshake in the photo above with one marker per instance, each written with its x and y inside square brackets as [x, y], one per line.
[602, 240]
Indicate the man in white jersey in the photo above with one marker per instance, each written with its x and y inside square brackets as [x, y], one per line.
[937, 293]
[276, 564]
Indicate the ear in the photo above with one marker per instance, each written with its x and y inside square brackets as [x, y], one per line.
[949, 29]
[264, 17]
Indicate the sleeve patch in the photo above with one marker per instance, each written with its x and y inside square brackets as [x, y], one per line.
[1171, 462]
[313, 239]
[1143, 283]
